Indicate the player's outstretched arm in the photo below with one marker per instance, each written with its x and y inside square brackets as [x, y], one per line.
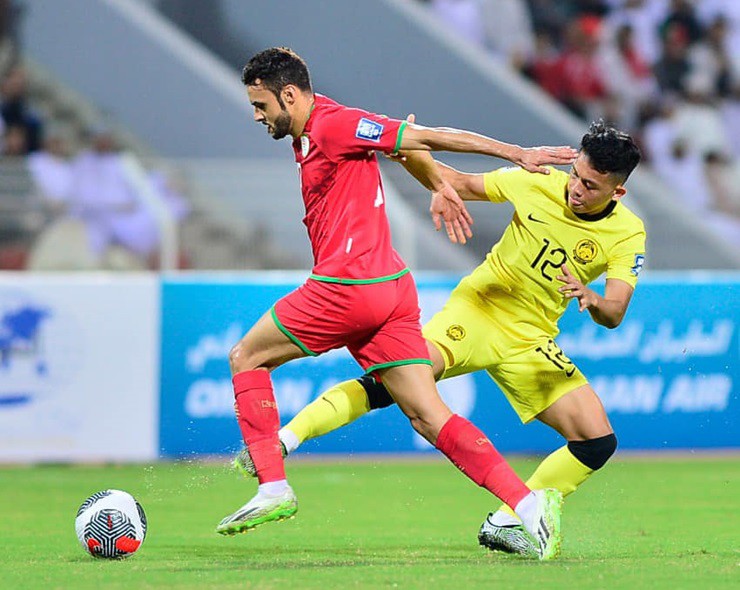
[607, 311]
[446, 206]
[417, 137]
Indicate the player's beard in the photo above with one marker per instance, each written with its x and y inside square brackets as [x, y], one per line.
[281, 126]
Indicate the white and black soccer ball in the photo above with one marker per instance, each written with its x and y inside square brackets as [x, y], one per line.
[111, 524]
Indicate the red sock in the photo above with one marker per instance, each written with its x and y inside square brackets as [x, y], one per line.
[473, 454]
[259, 421]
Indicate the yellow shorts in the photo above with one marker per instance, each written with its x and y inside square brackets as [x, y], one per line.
[532, 371]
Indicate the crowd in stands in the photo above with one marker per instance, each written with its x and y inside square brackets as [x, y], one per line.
[86, 212]
[667, 71]
[67, 201]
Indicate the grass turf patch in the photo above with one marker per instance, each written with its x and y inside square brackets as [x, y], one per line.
[638, 524]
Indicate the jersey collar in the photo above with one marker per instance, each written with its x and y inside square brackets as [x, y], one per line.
[592, 216]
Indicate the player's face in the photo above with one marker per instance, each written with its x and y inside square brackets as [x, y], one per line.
[590, 191]
[269, 111]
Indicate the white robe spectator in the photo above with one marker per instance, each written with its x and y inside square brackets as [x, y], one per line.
[684, 171]
[52, 174]
[508, 30]
[462, 16]
[699, 124]
[645, 17]
[708, 10]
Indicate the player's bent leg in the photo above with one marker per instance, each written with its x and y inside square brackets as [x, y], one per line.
[263, 348]
[334, 408]
[580, 418]
[412, 386]
[577, 414]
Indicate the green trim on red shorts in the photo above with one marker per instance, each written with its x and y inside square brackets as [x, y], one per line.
[341, 281]
[293, 339]
[372, 368]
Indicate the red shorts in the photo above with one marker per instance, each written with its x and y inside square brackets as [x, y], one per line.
[377, 322]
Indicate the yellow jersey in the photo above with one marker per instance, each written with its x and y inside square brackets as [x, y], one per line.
[518, 277]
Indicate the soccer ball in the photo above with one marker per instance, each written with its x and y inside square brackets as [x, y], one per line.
[111, 524]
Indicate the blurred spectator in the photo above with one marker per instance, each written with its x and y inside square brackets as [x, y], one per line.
[103, 198]
[699, 122]
[709, 10]
[713, 69]
[597, 8]
[723, 176]
[549, 17]
[14, 108]
[682, 14]
[644, 16]
[618, 59]
[508, 31]
[673, 65]
[121, 231]
[582, 86]
[630, 80]
[51, 170]
[702, 182]
[680, 167]
[464, 16]
[166, 184]
[730, 112]
[543, 67]
[102, 223]
[15, 141]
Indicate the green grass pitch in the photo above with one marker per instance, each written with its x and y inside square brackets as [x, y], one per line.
[641, 523]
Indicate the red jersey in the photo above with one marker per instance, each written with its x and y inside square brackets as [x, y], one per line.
[343, 193]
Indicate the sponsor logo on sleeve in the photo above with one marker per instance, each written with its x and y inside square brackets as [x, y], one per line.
[637, 267]
[370, 130]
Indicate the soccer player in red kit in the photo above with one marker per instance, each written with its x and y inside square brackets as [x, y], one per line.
[360, 293]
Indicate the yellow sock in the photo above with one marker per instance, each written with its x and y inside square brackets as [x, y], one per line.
[560, 470]
[340, 405]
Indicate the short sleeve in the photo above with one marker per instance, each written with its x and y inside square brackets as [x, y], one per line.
[347, 132]
[627, 258]
[504, 184]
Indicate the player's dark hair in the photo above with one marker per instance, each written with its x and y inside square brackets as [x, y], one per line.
[610, 151]
[275, 68]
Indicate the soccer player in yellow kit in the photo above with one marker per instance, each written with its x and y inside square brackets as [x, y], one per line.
[567, 230]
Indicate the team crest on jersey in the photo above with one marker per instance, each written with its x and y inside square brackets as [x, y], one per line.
[585, 251]
[456, 332]
[637, 267]
[305, 145]
[370, 130]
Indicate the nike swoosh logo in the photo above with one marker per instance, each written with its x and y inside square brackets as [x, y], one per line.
[531, 218]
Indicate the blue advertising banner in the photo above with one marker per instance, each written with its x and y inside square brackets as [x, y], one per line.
[668, 375]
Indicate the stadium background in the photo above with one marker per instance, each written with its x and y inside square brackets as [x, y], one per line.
[143, 353]
[128, 115]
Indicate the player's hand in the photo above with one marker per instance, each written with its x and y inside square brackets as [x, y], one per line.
[575, 289]
[448, 207]
[535, 159]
